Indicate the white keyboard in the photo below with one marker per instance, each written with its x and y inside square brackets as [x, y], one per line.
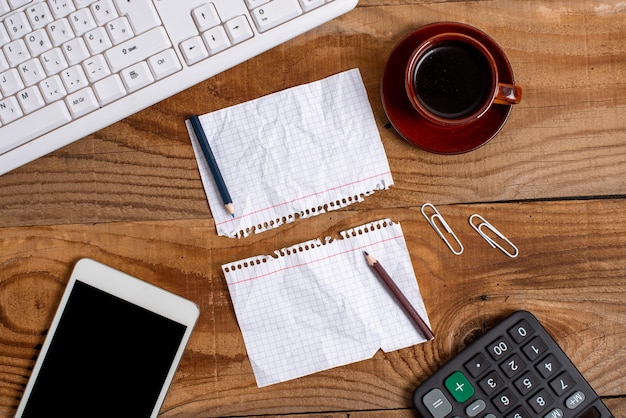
[71, 67]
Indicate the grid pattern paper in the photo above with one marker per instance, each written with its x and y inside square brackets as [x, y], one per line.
[295, 153]
[318, 305]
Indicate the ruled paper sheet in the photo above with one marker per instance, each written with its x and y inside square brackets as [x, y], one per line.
[318, 304]
[293, 154]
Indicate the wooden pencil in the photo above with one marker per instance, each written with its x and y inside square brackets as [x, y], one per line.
[210, 159]
[395, 290]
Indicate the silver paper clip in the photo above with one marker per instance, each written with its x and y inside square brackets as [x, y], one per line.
[437, 216]
[484, 224]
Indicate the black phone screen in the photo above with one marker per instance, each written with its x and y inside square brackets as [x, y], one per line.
[108, 357]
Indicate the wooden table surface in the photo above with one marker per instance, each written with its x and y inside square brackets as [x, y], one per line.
[553, 180]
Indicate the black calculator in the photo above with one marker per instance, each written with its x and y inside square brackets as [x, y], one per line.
[515, 370]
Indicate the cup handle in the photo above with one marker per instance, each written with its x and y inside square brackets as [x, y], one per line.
[508, 94]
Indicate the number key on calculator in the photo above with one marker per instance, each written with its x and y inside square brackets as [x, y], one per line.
[515, 370]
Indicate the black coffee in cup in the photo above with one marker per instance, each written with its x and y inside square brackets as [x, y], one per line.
[452, 80]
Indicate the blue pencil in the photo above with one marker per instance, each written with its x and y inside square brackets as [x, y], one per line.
[215, 170]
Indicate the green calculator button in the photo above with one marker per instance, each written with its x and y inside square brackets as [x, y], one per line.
[459, 387]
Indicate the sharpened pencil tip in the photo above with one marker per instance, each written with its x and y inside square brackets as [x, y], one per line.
[366, 253]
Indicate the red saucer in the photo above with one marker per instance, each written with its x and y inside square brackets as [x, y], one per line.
[425, 134]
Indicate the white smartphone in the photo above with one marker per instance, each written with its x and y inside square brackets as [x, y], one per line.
[112, 349]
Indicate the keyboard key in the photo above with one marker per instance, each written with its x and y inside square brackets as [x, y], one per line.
[137, 49]
[238, 29]
[10, 82]
[103, 11]
[109, 89]
[16, 52]
[255, 3]
[4, 64]
[193, 50]
[82, 102]
[60, 31]
[141, 14]
[274, 13]
[136, 76]
[119, 30]
[30, 99]
[216, 39]
[4, 35]
[17, 25]
[75, 50]
[31, 71]
[52, 89]
[33, 125]
[98, 41]
[10, 111]
[205, 17]
[54, 61]
[96, 68]
[38, 42]
[74, 78]
[308, 5]
[39, 15]
[62, 8]
[4, 7]
[164, 64]
[82, 21]
[18, 3]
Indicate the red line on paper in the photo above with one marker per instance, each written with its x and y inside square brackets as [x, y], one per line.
[361, 248]
[302, 198]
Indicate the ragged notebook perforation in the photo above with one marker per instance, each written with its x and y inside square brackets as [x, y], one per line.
[317, 304]
[293, 154]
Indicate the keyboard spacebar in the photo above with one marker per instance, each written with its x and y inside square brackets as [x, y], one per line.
[33, 125]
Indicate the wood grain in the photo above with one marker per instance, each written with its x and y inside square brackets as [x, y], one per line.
[569, 272]
[553, 181]
[564, 140]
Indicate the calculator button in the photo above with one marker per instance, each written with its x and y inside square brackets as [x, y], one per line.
[540, 401]
[437, 403]
[499, 348]
[491, 383]
[555, 413]
[575, 400]
[548, 366]
[562, 383]
[535, 348]
[477, 365]
[520, 412]
[475, 408]
[513, 366]
[459, 387]
[527, 383]
[521, 331]
[504, 400]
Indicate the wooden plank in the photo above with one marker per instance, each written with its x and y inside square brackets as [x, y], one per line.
[565, 139]
[570, 273]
